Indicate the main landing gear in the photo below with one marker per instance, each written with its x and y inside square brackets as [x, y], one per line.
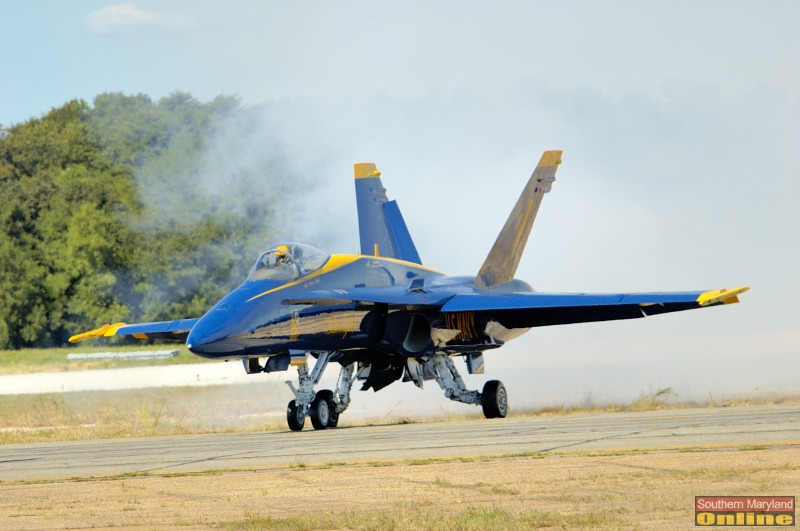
[324, 406]
[493, 399]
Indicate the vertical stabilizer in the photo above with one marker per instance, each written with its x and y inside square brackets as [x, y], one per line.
[501, 264]
[381, 226]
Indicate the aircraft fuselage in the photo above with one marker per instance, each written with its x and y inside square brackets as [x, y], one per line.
[260, 319]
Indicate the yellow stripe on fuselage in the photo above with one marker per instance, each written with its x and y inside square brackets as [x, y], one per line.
[337, 261]
[412, 265]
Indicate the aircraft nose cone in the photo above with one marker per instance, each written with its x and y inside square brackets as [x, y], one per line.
[224, 331]
[196, 342]
[211, 337]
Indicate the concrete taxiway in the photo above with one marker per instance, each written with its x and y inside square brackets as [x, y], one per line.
[733, 427]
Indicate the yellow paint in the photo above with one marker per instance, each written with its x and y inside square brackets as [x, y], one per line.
[107, 330]
[343, 323]
[335, 262]
[336, 323]
[363, 170]
[376, 253]
[725, 296]
[409, 264]
[463, 322]
[140, 336]
[551, 158]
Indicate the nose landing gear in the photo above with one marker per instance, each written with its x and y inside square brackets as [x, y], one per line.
[323, 406]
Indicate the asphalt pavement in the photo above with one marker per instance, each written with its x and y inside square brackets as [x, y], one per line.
[666, 430]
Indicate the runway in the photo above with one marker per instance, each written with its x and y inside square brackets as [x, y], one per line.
[733, 427]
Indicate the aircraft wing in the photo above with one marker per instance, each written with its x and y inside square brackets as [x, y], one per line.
[177, 330]
[527, 310]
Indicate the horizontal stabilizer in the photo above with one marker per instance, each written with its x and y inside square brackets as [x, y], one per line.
[502, 262]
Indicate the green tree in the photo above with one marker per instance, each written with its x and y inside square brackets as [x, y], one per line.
[112, 212]
[56, 187]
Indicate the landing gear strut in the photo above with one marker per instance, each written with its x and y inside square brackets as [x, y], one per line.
[493, 399]
[323, 406]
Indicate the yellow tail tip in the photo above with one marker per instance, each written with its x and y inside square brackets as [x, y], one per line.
[363, 170]
[551, 158]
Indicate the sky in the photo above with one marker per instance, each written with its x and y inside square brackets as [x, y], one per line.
[679, 122]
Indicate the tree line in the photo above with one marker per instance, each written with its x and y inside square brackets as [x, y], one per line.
[109, 212]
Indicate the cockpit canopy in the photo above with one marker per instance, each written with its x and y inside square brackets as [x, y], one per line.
[287, 261]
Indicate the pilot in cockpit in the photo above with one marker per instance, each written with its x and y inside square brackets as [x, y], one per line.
[282, 259]
[280, 254]
[287, 261]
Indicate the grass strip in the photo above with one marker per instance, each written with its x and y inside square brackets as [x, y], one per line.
[55, 359]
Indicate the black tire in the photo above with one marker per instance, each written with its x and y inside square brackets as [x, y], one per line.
[320, 411]
[333, 421]
[295, 416]
[333, 415]
[494, 400]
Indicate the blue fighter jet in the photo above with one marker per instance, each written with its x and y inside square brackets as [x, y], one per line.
[382, 316]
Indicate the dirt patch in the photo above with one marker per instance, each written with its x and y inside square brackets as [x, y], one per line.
[618, 491]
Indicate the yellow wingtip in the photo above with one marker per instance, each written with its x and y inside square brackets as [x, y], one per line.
[725, 296]
[107, 330]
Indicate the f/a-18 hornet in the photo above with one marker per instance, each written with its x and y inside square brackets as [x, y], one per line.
[382, 316]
